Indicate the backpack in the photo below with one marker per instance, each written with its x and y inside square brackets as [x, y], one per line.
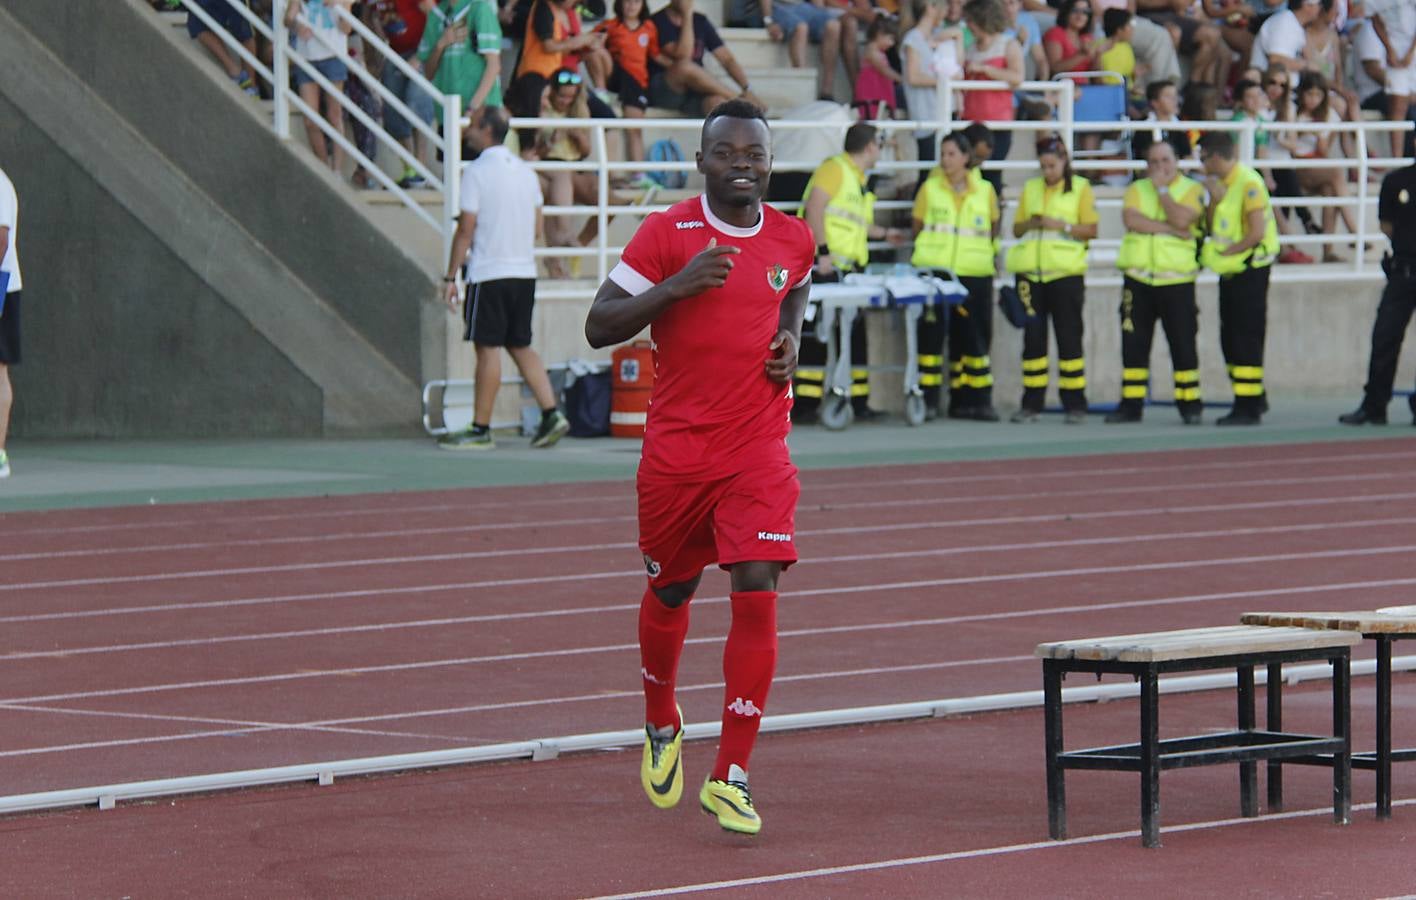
[667, 150]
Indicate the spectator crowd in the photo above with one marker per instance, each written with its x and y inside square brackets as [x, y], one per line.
[1269, 61]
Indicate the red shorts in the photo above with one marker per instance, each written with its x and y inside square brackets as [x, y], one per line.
[747, 517]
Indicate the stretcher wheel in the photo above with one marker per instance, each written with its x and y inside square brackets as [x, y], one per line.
[836, 413]
[914, 409]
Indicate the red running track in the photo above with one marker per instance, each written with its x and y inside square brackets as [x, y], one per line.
[148, 642]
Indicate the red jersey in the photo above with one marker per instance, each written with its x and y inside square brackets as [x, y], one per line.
[713, 409]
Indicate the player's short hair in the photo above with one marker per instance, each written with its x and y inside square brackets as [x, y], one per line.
[734, 109]
[1217, 143]
[859, 136]
[1154, 89]
[1113, 20]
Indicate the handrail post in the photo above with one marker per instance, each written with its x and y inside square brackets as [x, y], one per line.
[452, 168]
[601, 213]
[1360, 260]
[1066, 112]
[280, 44]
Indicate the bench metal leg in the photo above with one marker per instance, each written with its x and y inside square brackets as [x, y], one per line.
[1342, 727]
[1273, 697]
[1383, 726]
[1248, 771]
[1052, 712]
[1150, 758]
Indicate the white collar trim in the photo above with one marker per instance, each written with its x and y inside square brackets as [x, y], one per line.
[724, 227]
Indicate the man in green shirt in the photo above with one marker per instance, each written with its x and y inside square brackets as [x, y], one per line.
[461, 52]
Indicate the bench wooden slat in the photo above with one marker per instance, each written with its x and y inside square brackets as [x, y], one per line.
[1196, 643]
[1390, 620]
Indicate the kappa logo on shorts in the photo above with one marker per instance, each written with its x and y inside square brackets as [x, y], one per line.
[744, 707]
[778, 536]
[652, 567]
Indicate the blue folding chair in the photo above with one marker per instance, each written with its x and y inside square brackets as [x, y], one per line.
[1097, 102]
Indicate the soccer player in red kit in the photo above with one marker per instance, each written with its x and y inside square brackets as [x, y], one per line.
[722, 281]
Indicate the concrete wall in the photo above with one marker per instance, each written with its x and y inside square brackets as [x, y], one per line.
[219, 282]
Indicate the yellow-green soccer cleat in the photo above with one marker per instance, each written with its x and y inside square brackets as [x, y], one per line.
[731, 803]
[661, 770]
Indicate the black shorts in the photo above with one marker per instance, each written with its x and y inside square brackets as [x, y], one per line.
[629, 91]
[10, 329]
[498, 313]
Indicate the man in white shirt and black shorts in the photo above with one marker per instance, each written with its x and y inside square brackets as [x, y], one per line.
[9, 307]
[501, 219]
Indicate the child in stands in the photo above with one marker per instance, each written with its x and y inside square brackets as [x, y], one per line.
[877, 79]
[1115, 54]
[632, 40]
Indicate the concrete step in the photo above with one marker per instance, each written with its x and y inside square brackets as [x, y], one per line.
[753, 48]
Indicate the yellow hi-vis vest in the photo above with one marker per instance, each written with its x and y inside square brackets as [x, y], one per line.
[1049, 255]
[1227, 227]
[956, 237]
[1160, 259]
[848, 215]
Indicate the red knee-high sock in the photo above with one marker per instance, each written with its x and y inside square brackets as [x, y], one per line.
[749, 659]
[661, 633]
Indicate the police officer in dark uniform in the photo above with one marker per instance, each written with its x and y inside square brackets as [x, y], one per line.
[1397, 212]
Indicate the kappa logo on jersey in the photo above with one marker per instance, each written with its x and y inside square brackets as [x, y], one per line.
[777, 277]
[744, 707]
[689, 226]
[652, 567]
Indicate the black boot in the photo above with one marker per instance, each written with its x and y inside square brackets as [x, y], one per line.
[1363, 416]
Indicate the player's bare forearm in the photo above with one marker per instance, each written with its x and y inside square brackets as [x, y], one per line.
[616, 315]
[781, 361]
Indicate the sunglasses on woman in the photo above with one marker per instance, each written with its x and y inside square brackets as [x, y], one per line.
[564, 77]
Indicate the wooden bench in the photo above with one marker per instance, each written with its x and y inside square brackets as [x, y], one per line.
[1383, 626]
[1148, 656]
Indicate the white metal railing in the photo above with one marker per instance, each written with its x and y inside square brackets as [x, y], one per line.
[447, 142]
[604, 253]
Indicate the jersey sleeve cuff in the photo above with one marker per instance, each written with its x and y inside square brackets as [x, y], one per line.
[805, 279]
[629, 279]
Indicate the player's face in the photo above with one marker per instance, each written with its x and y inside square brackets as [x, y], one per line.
[736, 160]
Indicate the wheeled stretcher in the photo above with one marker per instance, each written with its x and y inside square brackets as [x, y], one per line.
[835, 307]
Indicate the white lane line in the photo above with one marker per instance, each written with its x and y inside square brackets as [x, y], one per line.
[440, 557]
[246, 726]
[448, 530]
[946, 551]
[902, 862]
[228, 515]
[333, 724]
[908, 526]
[582, 651]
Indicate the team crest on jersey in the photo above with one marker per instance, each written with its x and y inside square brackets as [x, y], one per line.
[777, 277]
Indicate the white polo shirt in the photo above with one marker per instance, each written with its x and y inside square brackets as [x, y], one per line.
[504, 194]
[1282, 34]
[9, 218]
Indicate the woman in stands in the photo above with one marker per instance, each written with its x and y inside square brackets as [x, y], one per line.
[994, 56]
[1069, 42]
[1313, 106]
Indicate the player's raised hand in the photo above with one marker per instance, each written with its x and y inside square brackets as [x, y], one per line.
[708, 270]
[782, 357]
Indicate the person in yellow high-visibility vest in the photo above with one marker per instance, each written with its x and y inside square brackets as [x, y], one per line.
[1163, 214]
[956, 220]
[840, 209]
[1240, 249]
[1056, 218]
